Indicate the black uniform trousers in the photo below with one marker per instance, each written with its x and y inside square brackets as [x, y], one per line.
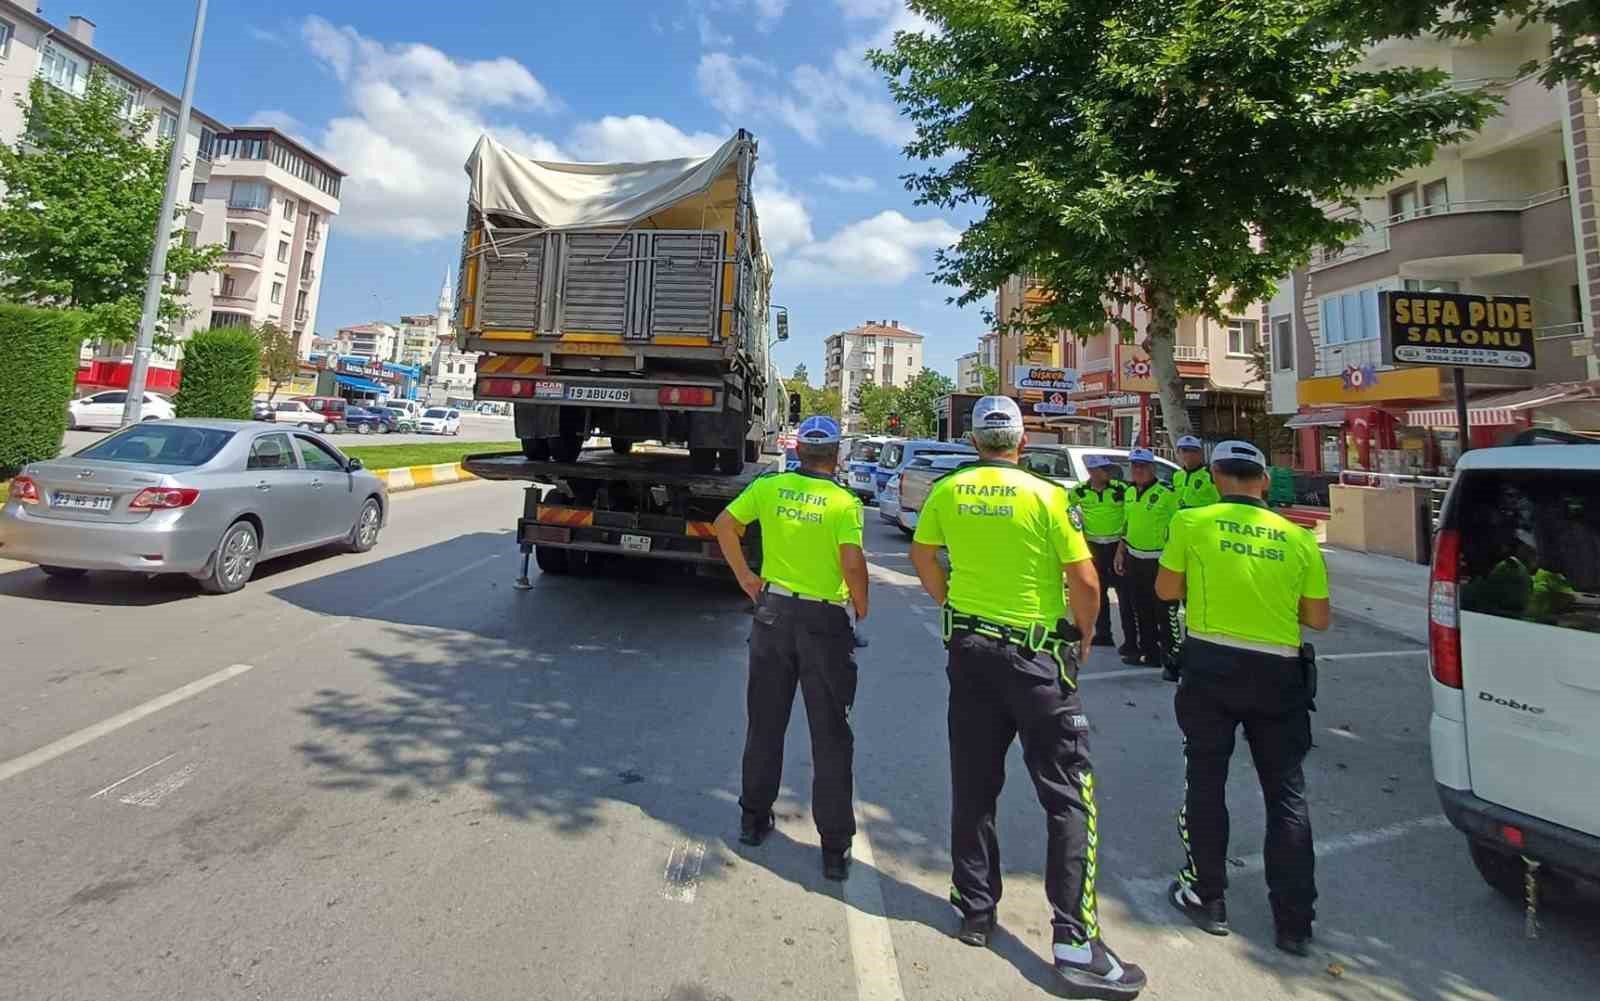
[1222, 689]
[999, 691]
[810, 644]
[1155, 621]
[1105, 564]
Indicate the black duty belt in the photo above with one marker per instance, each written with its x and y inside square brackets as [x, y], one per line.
[1037, 638]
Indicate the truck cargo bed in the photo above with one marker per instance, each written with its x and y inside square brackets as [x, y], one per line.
[654, 468]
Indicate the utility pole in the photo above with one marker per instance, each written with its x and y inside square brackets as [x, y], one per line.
[133, 409]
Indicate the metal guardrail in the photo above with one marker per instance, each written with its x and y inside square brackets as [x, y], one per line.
[1376, 239]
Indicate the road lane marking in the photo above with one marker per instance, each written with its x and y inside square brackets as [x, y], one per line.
[134, 775]
[893, 576]
[871, 943]
[1418, 652]
[1132, 672]
[682, 878]
[154, 794]
[73, 741]
[429, 586]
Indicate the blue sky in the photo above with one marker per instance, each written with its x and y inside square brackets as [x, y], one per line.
[395, 93]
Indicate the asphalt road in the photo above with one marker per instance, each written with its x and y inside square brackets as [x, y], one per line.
[392, 776]
[474, 427]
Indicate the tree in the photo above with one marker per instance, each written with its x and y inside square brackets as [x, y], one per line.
[280, 359]
[988, 380]
[1174, 157]
[38, 372]
[919, 402]
[220, 369]
[801, 375]
[78, 218]
[826, 402]
[877, 403]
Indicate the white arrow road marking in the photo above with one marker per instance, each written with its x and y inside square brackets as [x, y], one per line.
[161, 790]
[134, 775]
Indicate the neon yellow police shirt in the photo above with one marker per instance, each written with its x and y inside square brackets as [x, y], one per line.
[1195, 488]
[1104, 512]
[804, 520]
[1009, 533]
[1150, 512]
[1245, 570]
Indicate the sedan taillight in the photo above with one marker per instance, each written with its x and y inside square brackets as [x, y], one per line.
[163, 498]
[24, 490]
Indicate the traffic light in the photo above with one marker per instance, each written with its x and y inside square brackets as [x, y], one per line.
[894, 423]
[794, 408]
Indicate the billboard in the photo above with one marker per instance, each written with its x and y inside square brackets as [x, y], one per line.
[1055, 404]
[1044, 377]
[1450, 328]
[1135, 373]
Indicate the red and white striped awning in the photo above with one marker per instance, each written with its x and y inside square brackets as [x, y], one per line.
[1500, 409]
[1446, 418]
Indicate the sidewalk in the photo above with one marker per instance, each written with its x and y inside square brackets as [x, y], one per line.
[1386, 592]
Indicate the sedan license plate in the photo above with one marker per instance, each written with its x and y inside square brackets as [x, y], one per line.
[80, 502]
[636, 543]
[600, 394]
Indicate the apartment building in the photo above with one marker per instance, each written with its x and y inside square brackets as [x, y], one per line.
[879, 352]
[418, 339]
[1117, 404]
[268, 202]
[968, 373]
[1509, 212]
[375, 341]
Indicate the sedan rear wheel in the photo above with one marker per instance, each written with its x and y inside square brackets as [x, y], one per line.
[235, 560]
[365, 533]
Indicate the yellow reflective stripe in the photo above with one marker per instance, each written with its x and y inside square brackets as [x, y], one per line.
[1088, 908]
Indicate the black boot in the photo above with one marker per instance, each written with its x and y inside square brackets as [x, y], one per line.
[1294, 941]
[1092, 970]
[836, 865]
[1210, 916]
[754, 827]
[976, 929]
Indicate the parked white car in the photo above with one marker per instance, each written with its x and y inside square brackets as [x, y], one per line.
[439, 420]
[411, 408]
[1514, 650]
[104, 410]
[1064, 463]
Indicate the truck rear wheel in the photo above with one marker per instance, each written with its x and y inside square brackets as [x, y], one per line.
[621, 446]
[551, 561]
[537, 449]
[702, 460]
[566, 448]
[730, 461]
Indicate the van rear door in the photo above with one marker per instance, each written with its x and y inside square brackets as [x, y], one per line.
[1529, 593]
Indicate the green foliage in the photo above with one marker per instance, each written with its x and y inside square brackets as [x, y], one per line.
[877, 403]
[1166, 155]
[826, 402]
[801, 375]
[988, 380]
[220, 368]
[38, 370]
[280, 361]
[919, 403]
[78, 218]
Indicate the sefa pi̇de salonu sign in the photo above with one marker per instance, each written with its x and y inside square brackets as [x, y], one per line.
[1450, 328]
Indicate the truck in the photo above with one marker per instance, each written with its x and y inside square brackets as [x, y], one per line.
[628, 300]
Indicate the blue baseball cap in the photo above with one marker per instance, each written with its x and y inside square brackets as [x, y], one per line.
[1141, 455]
[1097, 461]
[818, 430]
[1189, 441]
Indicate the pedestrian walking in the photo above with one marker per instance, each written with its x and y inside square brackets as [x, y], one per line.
[1192, 481]
[1013, 671]
[1251, 579]
[1150, 507]
[812, 570]
[1101, 506]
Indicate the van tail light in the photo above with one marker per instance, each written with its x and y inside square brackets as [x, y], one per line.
[1444, 616]
[24, 490]
[686, 396]
[163, 498]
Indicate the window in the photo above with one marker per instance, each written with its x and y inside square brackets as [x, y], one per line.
[197, 192]
[277, 293]
[6, 31]
[1243, 336]
[160, 444]
[313, 225]
[110, 398]
[305, 267]
[250, 195]
[318, 457]
[888, 374]
[132, 100]
[233, 239]
[271, 451]
[1350, 316]
[63, 69]
[1577, 303]
[208, 143]
[290, 206]
[1403, 203]
[1430, 285]
[283, 251]
[220, 319]
[1436, 197]
[1048, 464]
[167, 127]
[1282, 343]
[229, 285]
[1530, 546]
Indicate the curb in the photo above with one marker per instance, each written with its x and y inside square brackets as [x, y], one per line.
[405, 478]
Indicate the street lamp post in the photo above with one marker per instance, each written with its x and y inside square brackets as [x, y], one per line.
[133, 409]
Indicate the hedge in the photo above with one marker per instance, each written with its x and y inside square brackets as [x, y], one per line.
[220, 369]
[38, 373]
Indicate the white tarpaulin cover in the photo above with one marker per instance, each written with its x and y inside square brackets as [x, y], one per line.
[553, 195]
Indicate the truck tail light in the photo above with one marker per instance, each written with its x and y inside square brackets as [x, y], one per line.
[1444, 616]
[163, 498]
[687, 396]
[24, 490]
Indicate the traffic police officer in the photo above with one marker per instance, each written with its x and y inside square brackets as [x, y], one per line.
[812, 566]
[1251, 579]
[1013, 672]
[1101, 506]
[1150, 507]
[1193, 482]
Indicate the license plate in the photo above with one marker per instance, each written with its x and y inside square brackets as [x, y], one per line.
[600, 394]
[80, 502]
[549, 390]
[636, 543]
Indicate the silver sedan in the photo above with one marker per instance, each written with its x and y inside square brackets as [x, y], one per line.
[206, 498]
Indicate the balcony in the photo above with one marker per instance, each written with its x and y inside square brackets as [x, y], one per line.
[1190, 352]
[307, 277]
[1332, 359]
[247, 259]
[234, 302]
[313, 237]
[249, 216]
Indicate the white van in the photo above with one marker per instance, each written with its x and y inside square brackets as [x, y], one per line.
[1514, 645]
[412, 408]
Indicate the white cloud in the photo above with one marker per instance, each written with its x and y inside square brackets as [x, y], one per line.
[413, 116]
[268, 36]
[710, 37]
[785, 222]
[281, 120]
[722, 82]
[639, 137]
[855, 184]
[885, 249]
[769, 12]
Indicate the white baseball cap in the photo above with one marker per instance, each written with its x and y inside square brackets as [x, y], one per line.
[1189, 441]
[1241, 450]
[996, 413]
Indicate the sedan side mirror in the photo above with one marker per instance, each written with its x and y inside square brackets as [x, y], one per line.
[355, 466]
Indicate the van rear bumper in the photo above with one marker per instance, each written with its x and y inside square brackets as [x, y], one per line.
[1559, 847]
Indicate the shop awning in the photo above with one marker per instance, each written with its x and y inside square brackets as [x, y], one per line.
[360, 385]
[1499, 409]
[1323, 417]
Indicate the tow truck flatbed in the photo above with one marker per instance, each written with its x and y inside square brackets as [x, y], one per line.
[668, 466]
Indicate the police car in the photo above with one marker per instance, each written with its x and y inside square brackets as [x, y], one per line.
[863, 465]
[1514, 644]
